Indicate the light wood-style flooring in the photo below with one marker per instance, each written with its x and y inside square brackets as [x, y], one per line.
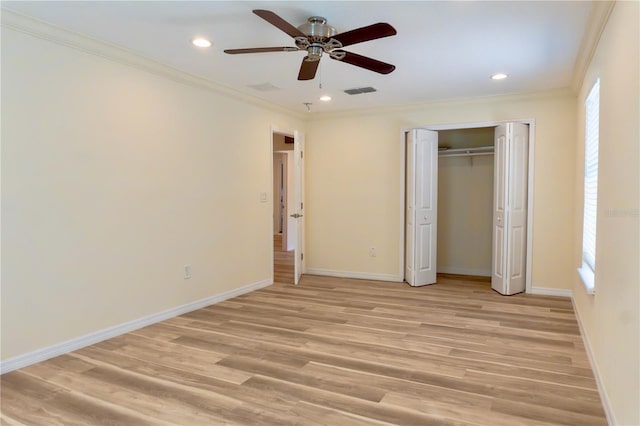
[329, 351]
[282, 262]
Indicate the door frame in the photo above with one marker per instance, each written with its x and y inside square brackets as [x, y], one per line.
[469, 125]
[291, 133]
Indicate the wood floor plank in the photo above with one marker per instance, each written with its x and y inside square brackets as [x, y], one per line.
[335, 385]
[550, 415]
[34, 401]
[360, 407]
[330, 351]
[196, 380]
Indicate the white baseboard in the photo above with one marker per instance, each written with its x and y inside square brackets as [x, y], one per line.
[546, 291]
[43, 354]
[357, 275]
[604, 397]
[464, 271]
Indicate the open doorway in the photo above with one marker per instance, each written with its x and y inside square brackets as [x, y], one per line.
[284, 242]
[288, 205]
[465, 179]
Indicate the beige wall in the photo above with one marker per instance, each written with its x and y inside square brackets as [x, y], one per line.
[114, 178]
[465, 214]
[610, 317]
[354, 183]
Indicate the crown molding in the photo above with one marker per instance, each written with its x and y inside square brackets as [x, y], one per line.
[83, 43]
[600, 12]
[452, 102]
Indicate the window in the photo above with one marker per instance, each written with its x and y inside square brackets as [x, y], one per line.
[591, 139]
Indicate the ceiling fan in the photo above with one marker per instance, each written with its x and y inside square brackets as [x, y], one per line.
[316, 37]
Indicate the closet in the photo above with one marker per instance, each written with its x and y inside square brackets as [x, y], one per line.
[465, 201]
[466, 204]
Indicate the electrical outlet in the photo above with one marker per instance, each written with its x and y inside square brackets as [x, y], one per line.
[372, 252]
[187, 272]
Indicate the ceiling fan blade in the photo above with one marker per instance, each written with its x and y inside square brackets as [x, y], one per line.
[261, 50]
[308, 69]
[277, 21]
[363, 62]
[371, 32]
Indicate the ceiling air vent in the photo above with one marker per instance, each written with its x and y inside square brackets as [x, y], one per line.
[264, 87]
[359, 90]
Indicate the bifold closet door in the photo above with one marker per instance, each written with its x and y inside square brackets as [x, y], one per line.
[510, 208]
[421, 211]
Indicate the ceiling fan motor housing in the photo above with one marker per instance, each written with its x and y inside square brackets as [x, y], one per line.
[318, 38]
[317, 29]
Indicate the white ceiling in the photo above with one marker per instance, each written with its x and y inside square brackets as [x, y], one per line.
[443, 49]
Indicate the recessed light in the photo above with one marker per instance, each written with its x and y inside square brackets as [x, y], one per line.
[325, 98]
[499, 76]
[201, 42]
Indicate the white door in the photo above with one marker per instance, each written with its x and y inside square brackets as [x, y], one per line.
[510, 208]
[298, 199]
[421, 206]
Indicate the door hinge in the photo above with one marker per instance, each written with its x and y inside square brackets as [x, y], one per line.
[301, 154]
[301, 206]
[301, 256]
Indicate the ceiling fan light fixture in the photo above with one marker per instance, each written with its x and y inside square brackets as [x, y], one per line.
[499, 76]
[201, 42]
[314, 53]
[325, 98]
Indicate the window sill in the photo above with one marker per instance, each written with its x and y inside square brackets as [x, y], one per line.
[588, 279]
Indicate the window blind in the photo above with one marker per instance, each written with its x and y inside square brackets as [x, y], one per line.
[592, 106]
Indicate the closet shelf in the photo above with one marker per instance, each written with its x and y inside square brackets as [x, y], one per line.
[466, 152]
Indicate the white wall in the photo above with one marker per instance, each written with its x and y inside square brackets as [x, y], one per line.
[113, 178]
[354, 182]
[465, 214]
[610, 317]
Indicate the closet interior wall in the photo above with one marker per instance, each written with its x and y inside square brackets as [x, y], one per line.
[465, 204]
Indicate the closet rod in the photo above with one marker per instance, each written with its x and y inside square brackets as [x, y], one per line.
[459, 152]
[473, 154]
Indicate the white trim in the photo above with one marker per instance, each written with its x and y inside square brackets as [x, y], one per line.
[604, 397]
[547, 291]
[356, 275]
[61, 348]
[588, 278]
[403, 213]
[600, 12]
[449, 102]
[464, 271]
[531, 168]
[83, 43]
[530, 190]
